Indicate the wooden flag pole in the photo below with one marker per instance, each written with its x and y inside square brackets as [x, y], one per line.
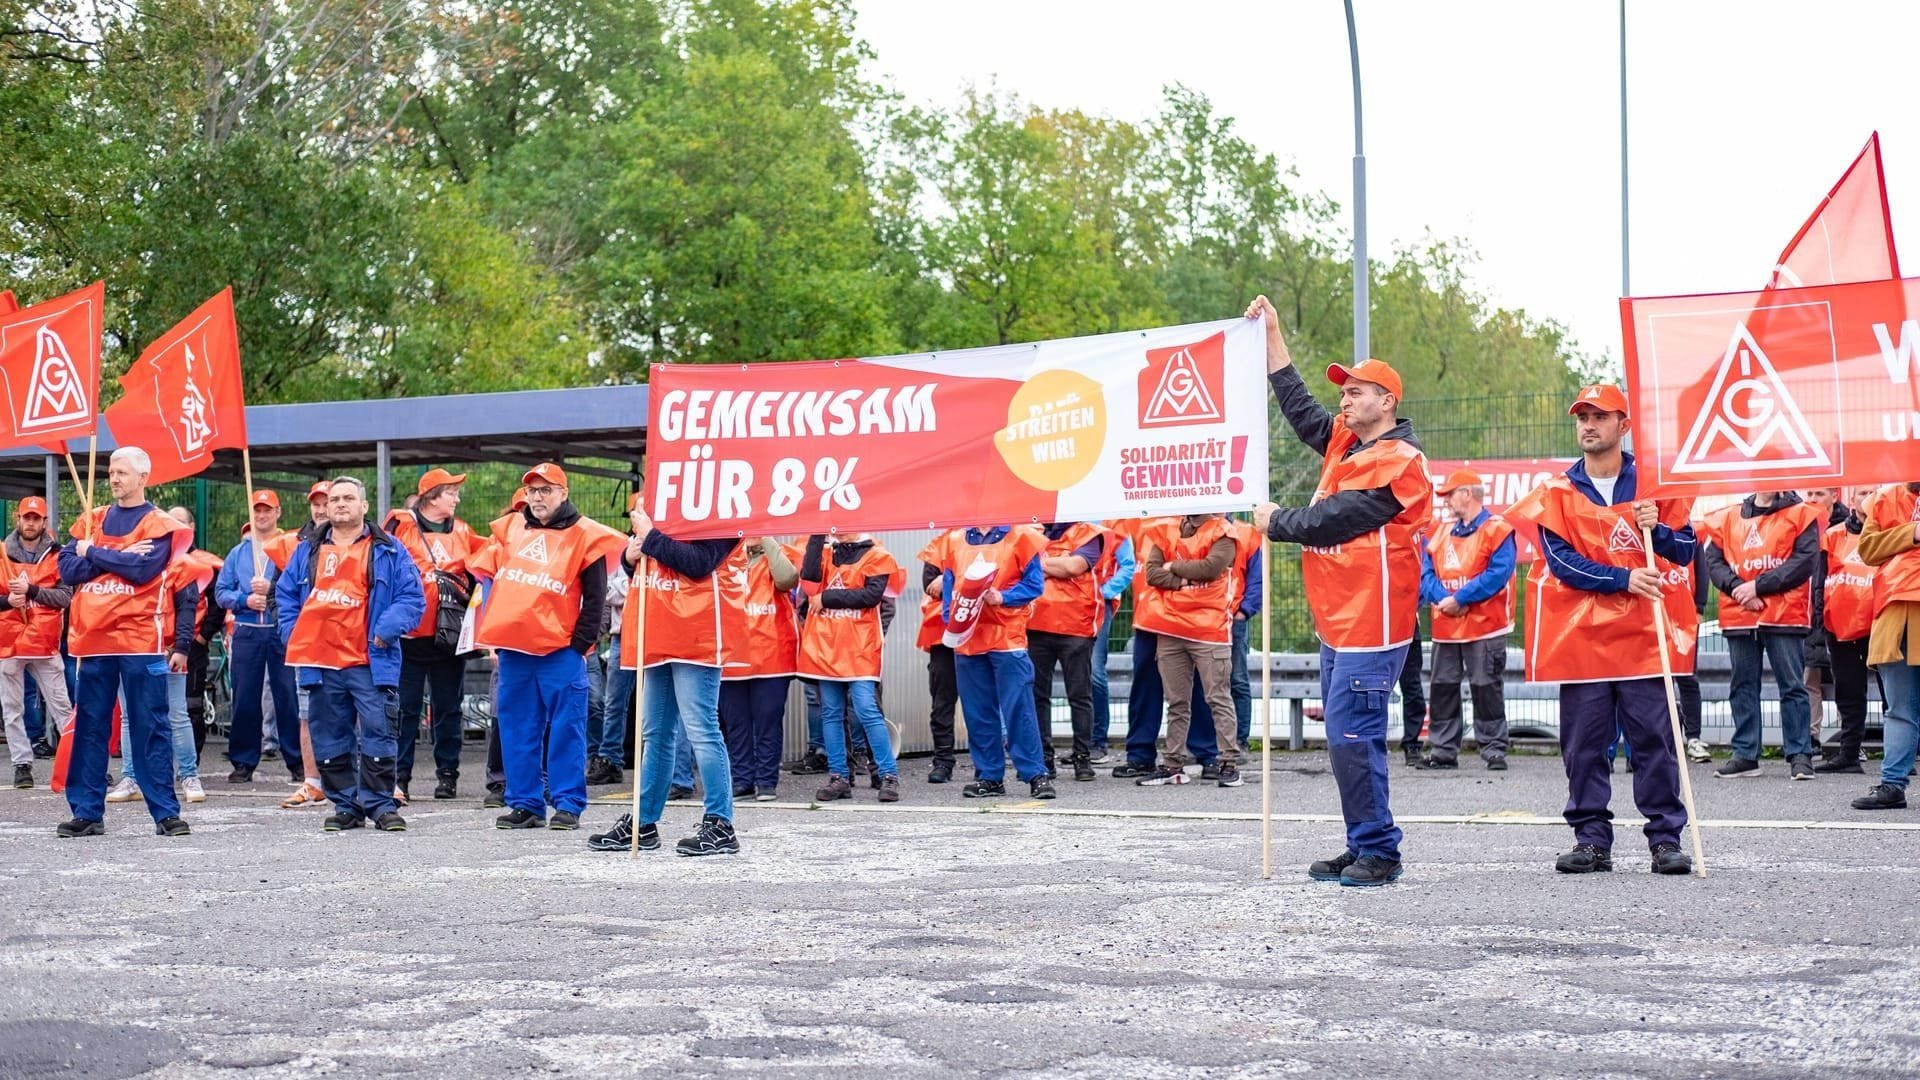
[639, 693]
[93, 446]
[1266, 712]
[86, 500]
[1673, 718]
[259, 553]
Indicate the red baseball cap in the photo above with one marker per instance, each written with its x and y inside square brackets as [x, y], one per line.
[433, 478]
[548, 472]
[319, 491]
[263, 497]
[1460, 478]
[1600, 397]
[33, 504]
[1378, 372]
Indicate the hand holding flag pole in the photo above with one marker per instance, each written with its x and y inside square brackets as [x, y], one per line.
[1673, 714]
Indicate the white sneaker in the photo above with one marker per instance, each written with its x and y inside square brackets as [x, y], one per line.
[191, 790]
[1698, 751]
[124, 791]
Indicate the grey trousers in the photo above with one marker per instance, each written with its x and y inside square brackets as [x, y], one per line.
[1483, 664]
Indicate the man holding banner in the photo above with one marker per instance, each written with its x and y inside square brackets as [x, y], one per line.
[1361, 566]
[990, 662]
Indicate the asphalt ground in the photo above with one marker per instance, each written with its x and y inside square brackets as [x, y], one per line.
[1118, 931]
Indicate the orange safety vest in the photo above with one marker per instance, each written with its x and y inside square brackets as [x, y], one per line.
[37, 635]
[280, 547]
[1894, 507]
[933, 624]
[533, 605]
[1851, 586]
[1576, 636]
[1001, 628]
[1458, 560]
[1200, 610]
[331, 629]
[199, 569]
[1146, 600]
[844, 645]
[1365, 593]
[683, 618]
[447, 551]
[1071, 606]
[110, 616]
[758, 638]
[1752, 546]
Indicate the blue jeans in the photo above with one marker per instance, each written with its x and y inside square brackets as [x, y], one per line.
[259, 662]
[835, 698]
[683, 696]
[1102, 701]
[1787, 654]
[1356, 687]
[1900, 681]
[101, 680]
[352, 723]
[751, 714]
[597, 700]
[996, 690]
[816, 734]
[543, 730]
[618, 712]
[186, 759]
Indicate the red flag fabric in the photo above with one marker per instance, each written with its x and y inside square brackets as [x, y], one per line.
[1506, 480]
[184, 397]
[8, 305]
[1850, 235]
[50, 364]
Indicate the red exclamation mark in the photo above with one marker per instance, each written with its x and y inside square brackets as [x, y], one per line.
[1238, 457]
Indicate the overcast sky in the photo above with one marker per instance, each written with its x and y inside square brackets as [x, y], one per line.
[1492, 120]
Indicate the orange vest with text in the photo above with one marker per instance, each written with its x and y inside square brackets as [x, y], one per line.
[1458, 560]
[534, 602]
[113, 617]
[758, 638]
[1001, 628]
[1365, 593]
[199, 569]
[1200, 610]
[1847, 611]
[34, 635]
[1894, 507]
[1752, 546]
[1135, 531]
[1071, 606]
[843, 645]
[683, 618]
[1576, 636]
[331, 629]
[448, 551]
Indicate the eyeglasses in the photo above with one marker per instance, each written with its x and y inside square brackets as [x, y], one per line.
[542, 491]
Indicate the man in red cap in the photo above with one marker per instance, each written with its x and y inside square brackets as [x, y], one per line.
[1360, 563]
[1466, 576]
[30, 616]
[257, 656]
[1591, 628]
[317, 521]
[440, 544]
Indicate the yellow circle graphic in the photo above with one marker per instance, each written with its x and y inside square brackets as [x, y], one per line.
[1056, 425]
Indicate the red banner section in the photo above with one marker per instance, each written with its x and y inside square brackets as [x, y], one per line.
[50, 362]
[1786, 388]
[1850, 235]
[1162, 421]
[184, 397]
[1507, 480]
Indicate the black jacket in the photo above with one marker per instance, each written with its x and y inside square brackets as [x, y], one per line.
[1804, 564]
[1342, 515]
[868, 594]
[593, 581]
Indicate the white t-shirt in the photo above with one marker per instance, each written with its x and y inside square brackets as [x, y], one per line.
[1604, 485]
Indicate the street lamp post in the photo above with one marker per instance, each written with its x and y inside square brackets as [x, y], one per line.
[1361, 347]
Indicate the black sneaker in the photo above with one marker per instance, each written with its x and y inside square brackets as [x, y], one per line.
[1041, 787]
[714, 837]
[836, 788]
[677, 793]
[1585, 859]
[563, 821]
[743, 791]
[985, 789]
[1498, 764]
[813, 763]
[1737, 769]
[1331, 869]
[596, 770]
[171, 826]
[1841, 763]
[1412, 754]
[620, 837]
[1210, 770]
[23, 777]
[342, 822]
[1130, 770]
[1882, 797]
[1668, 859]
[496, 797]
[447, 787]
[1162, 776]
[519, 819]
[1431, 763]
[241, 774]
[1230, 776]
[1800, 767]
[390, 822]
[67, 830]
[1083, 769]
[43, 750]
[890, 789]
[1371, 871]
[270, 754]
[940, 774]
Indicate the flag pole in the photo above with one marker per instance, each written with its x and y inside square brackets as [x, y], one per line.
[86, 501]
[639, 688]
[93, 445]
[246, 470]
[1673, 717]
[1266, 712]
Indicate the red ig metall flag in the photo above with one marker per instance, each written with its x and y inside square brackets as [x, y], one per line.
[184, 398]
[1849, 236]
[8, 305]
[50, 366]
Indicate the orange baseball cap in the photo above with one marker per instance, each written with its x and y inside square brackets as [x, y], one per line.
[1461, 478]
[319, 491]
[433, 478]
[263, 497]
[546, 471]
[1601, 397]
[1378, 372]
[33, 504]
[519, 500]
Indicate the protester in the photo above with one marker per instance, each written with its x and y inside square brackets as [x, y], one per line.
[432, 671]
[1061, 633]
[347, 596]
[760, 646]
[1413, 694]
[1146, 701]
[1847, 598]
[1890, 541]
[1818, 674]
[257, 658]
[1596, 634]
[1466, 576]
[1360, 565]
[117, 562]
[943, 687]
[1190, 594]
[840, 651]
[1118, 579]
[991, 666]
[31, 613]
